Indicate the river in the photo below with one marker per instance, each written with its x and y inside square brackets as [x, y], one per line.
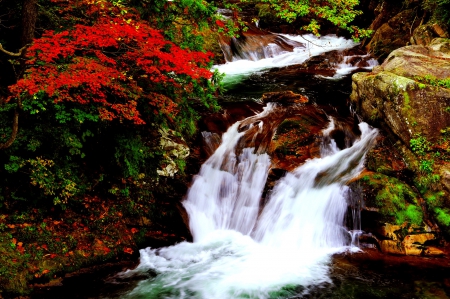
[295, 242]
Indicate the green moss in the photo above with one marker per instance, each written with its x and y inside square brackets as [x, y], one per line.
[419, 145]
[433, 81]
[406, 99]
[412, 214]
[288, 125]
[396, 201]
[443, 216]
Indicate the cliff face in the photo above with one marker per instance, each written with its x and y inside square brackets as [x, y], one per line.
[399, 23]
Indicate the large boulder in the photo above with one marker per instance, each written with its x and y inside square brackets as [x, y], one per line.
[408, 175]
[406, 91]
[393, 34]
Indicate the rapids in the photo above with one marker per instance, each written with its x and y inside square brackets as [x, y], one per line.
[239, 253]
[283, 244]
[246, 247]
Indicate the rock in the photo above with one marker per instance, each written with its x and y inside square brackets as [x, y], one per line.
[444, 172]
[392, 247]
[392, 95]
[385, 158]
[285, 97]
[325, 64]
[393, 34]
[175, 148]
[389, 231]
[392, 197]
[414, 244]
[439, 31]
[253, 44]
[433, 251]
[424, 34]
[384, 11]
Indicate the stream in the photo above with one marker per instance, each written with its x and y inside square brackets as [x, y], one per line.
[294, 243]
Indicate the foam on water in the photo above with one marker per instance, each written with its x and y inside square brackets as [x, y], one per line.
[236, 70]
[239, 253]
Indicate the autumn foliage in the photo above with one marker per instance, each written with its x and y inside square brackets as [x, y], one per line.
[115, 64]
[96, 92]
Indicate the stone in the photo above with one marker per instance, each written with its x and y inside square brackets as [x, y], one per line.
[422, 35]
[414, 244]
[285, 97]
[433, 251]
[392, 247]
[391, 94]
[444, 172]
[439, 31]
[393, 34]
[252, 44]
[389, 231]
[175, 148]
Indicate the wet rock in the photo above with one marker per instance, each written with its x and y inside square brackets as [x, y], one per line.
[390, 231]
[284, 97]
[255, 44]
[414, 244]
[433, 251]
[385, 158]
[326, 63]
[392, 247]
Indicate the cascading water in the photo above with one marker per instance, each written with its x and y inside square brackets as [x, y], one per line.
[263, 55]
[240, 252]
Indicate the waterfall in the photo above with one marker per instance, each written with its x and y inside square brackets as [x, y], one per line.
[255, 54]
[244, 248]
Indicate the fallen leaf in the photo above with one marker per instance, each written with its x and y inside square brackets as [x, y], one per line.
[128, 250]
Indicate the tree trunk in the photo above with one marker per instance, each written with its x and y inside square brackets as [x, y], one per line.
[29, 18]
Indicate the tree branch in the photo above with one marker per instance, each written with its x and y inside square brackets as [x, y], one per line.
[18, 54]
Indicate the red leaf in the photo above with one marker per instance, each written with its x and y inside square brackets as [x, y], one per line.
[128, 250]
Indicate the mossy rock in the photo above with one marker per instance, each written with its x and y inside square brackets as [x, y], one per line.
[408, 94]
[395, 200]
[386, 159]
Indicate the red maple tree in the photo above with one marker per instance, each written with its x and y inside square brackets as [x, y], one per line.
[115, 63]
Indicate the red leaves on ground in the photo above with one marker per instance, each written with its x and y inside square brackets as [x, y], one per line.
[128, 250]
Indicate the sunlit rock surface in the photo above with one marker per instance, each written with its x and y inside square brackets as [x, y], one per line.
[397, 94]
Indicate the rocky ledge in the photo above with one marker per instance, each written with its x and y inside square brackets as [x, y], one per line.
[407, 185]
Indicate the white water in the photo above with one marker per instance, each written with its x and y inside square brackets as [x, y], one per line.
[237, 254]
[345, 68]
[313, 46]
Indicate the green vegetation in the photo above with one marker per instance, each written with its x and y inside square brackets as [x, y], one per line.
[339, 13]
[439, 9]
[81, 116]
[433, 81]
[443, 216]
[419, 145]
[395, 199]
